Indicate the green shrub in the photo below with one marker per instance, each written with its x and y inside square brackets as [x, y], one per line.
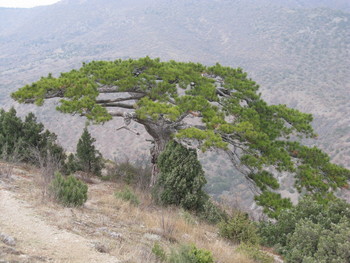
[183, 254]
[273, 203]
[127, 195]
[254, 253]
[212, 213]
[69, 191]
[334, 243]
[188, 217]
[302, 243]
[190, 254]
[137, 174]
[71, 165]
[310, 242]
[181, 179]
[159, 252]
[239, 229]
[127, 172]
[311, 232]
[106, 178]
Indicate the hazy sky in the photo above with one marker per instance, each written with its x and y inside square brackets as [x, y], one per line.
[26, 3]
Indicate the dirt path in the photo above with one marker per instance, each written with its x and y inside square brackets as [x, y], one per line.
[35, 237]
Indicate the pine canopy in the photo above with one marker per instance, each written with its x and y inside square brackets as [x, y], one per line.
[216, 107]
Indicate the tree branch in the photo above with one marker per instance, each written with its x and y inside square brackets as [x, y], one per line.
[223, 92]
[116, 89]
[182, 116]
[117, 105]
[120, 99]
[117, 114]
[50, 95]
[235, 160]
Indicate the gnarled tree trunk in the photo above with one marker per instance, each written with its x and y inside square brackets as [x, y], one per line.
[161, 133]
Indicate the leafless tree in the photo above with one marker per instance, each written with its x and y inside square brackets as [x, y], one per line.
[49, 163]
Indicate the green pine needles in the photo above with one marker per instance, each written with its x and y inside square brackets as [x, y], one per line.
[89, 159]
[181, 178]
[183, 254]
[68, 190]
[27, 141]
[228, 111]
[239, 229]
[311, 232]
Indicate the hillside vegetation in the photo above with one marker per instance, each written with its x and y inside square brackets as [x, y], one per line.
[114, 218]
[106, 229]
[298, 51]
[113, 221]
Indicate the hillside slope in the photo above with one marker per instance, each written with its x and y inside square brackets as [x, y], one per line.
[299, 51]
[105, 229]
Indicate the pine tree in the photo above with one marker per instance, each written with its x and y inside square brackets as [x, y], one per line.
[89, 159]
[71, 165]
[26, 140]
[11, 132]
[231, 117]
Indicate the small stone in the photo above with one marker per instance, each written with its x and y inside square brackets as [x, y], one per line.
[186, 236]
[102, 229]
[101, 248]
[8, 240]
[115, 235]
[10, 250]
[152, 237]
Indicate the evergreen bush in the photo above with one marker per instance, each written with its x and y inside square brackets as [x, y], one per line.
[127, 195]
[181, 178]
[254, 253]
[71, 165]
[238, 228]
[190, 254]
[69, 191]
[311, 232]
[159, 252]
[212, 213]
[89, 159]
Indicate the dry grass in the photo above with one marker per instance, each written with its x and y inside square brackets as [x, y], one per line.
[173, 227]
[128, 231]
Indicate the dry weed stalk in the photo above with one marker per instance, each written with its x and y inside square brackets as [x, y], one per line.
[6, 171]
[168, 228]
[49, 164]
